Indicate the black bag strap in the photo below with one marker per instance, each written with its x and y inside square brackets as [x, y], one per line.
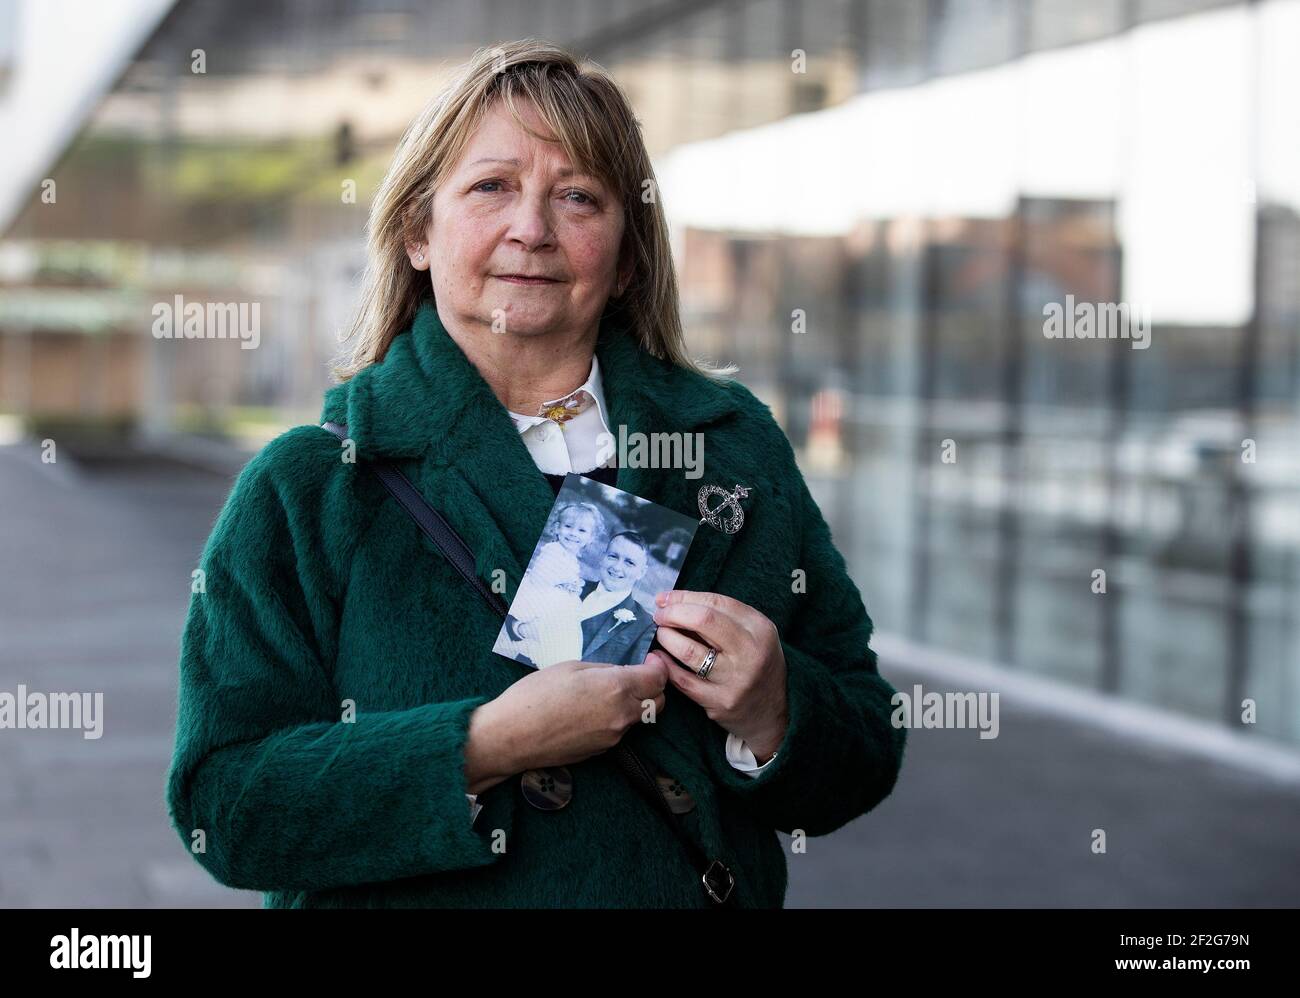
[716, 878]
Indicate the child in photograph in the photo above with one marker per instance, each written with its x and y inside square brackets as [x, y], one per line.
[546, 607]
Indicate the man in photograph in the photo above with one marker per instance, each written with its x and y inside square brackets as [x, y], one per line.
[616, 629]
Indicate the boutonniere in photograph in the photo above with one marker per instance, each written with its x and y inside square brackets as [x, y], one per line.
[622, 616]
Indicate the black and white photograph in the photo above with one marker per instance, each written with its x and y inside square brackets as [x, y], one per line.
[588, 594]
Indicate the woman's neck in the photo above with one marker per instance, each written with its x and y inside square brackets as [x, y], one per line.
[526, 371]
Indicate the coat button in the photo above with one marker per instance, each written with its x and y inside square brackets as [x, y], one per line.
[678, 797]
[547, 789]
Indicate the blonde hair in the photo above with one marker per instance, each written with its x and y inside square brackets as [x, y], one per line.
[591, 118]
[598, 525]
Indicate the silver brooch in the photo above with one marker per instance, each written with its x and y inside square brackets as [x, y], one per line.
[730, 502]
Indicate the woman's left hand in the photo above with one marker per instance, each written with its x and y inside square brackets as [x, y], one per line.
[745, 690]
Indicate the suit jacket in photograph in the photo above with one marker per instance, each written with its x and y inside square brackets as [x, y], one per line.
[604, 639]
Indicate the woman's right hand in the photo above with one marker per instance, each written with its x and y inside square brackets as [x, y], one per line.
[562, 714]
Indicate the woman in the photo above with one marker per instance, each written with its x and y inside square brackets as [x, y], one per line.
[339, 698]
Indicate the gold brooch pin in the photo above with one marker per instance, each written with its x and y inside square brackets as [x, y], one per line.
[565, 409]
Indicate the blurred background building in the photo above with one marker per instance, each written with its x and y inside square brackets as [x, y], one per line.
[872, 201]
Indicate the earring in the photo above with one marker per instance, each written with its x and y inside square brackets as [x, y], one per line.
[419, 257]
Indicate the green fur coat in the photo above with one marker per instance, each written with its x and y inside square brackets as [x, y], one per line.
[317, 590]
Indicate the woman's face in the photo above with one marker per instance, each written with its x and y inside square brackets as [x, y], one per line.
[512, 208]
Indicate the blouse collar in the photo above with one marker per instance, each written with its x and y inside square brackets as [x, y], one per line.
[524, 422]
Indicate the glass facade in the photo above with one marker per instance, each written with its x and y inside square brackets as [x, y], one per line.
[876, 205]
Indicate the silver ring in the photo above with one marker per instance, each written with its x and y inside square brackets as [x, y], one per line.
[707, 665]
